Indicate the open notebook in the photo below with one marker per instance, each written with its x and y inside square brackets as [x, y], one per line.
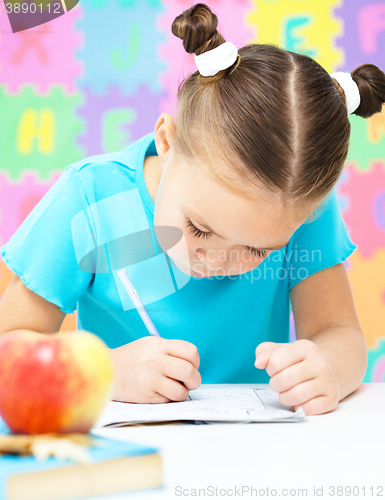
[229, 404]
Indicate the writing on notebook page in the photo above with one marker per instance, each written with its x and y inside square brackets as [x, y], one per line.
[235, 404]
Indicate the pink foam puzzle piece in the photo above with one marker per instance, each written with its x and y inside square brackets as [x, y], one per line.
[17, 199]
[371, 26]
[365, 218]
[43, 55]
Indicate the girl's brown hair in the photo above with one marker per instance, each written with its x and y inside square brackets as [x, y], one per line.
[274, 115]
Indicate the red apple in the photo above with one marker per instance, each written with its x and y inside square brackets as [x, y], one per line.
[53, 382]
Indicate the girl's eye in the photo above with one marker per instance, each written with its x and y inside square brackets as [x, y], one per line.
[259, 253]
[195, 231]
[205, 234]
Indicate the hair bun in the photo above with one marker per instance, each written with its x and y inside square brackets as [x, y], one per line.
[197, 27]
[371, 84]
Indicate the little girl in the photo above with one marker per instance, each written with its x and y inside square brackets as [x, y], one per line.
[225, 221]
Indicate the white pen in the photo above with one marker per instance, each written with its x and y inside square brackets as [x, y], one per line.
[127, 283]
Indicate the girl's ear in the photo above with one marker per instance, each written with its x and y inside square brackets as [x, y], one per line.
[164, 134]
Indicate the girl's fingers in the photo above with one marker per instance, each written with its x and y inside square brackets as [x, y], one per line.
[302, 393]
[293, 375]
[182, 370]
[263, 353]
[262, 360]
[182, 349]
[158, 399]
[318, 405]
[287, 355]
[268, 347]
[171, 389]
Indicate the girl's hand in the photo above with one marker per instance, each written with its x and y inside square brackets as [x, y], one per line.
[301, 373]
[151, 369]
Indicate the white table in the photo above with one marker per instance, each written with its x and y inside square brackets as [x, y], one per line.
[343, 448]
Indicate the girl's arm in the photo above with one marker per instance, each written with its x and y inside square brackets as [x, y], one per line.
[22, 309]
[328, 360]
[324, 313]
[148, 370]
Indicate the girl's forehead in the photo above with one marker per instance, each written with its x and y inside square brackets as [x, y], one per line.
[223, 187]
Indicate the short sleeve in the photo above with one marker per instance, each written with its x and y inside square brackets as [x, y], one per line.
[41, 251]
[319, 244]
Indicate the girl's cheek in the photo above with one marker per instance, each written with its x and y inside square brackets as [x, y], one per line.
[180, 251]
[248, 263]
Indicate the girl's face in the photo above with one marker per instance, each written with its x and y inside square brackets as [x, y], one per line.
[225, 233]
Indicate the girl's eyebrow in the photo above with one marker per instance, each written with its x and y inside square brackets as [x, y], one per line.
[204, 224]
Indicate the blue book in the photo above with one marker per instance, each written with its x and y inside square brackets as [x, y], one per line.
[116, 466]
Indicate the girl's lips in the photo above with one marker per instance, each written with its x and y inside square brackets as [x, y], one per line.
[196, 274]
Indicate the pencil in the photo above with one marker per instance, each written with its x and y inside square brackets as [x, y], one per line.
[127, 283]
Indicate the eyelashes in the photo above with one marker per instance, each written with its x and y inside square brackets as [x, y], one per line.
[198, 233]
[258, 253]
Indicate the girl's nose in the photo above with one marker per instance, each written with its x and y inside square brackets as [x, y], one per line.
[212, 259]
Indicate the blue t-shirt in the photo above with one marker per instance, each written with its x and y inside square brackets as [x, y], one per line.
[98, 218]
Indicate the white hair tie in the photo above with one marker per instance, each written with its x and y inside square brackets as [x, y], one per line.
[211, 62]
[350, 88]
